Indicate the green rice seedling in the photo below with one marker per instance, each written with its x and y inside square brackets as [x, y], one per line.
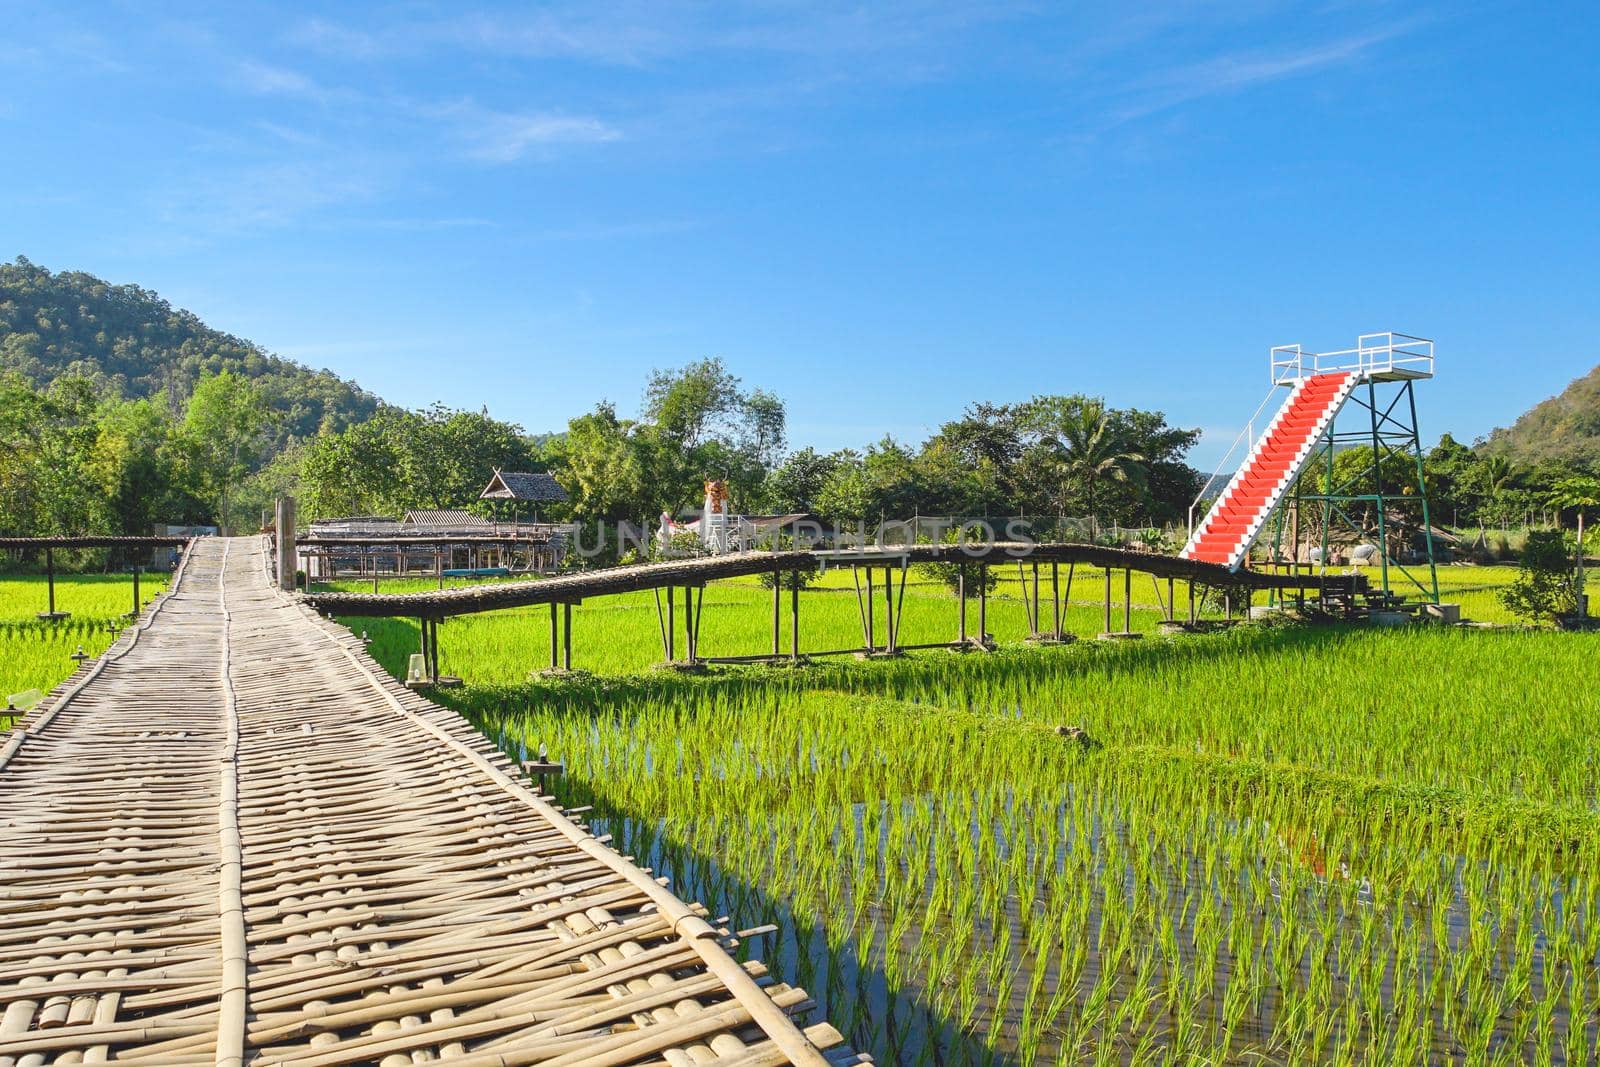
[1324, 846]
[87, 597]
[38, 655]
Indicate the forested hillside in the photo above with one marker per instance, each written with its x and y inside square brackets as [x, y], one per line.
[133, 344]
[1564, 429]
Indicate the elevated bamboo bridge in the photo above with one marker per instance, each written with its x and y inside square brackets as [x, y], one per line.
[1046, 570]
[233, 839]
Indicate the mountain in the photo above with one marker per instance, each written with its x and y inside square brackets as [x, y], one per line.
[135, 344]
[1565, 428]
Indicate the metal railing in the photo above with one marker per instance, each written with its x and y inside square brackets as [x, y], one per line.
[1247, 437]
[1374, 354]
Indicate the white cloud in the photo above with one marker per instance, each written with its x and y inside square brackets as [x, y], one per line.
[265, 79]
[505, 137]
[1237, 72]
[267, 196]
[637, 33]
[338, 41]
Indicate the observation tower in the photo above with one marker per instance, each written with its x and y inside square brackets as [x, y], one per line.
[1294, 478]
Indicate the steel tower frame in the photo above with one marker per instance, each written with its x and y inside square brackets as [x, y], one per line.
[1389, 364]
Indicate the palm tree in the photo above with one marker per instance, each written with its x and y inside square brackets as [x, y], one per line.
[1093, 450]
[1497, 475]
[1578, 492]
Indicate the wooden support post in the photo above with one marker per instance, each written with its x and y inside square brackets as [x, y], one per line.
[1066, 597]
[1127, 600]
[438, 565]
[427, 659]
[777, 611]
[688, 625]
[566, 636]
[1172, 603]
[961, 599]
[1107, 627]
[661, 623]
[672, 625]
[888, 609]
[794, 619]
[1055, 599]
[872, 642]
[134, 614]
[1022, 587]
[900, 604]
[50, 579]
[555, 637]
[983, 604]
[283, 522]
[699, 613]
[434, 644]
[1193, 618]
[1034, 622]
[1227, 606]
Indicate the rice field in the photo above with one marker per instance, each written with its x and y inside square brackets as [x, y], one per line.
[1272, 845]
[1269, 845]
[38, 655]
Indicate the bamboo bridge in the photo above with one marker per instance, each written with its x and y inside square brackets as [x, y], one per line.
[233, 839]
[1046, 571]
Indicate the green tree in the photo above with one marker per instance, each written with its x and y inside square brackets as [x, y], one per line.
[604, 464]
[398, 460]
[279, 477]
[970, 466]
[1578, 494]
[137, 462]
[704, 425]
[1543, 588]
[224, 426]
[1086, 448]
[1498, 475]
[1454, 478]
[357, 471]
[448, 456]
[795, 484]
[847, 493]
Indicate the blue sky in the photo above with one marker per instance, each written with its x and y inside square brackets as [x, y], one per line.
[881, 211]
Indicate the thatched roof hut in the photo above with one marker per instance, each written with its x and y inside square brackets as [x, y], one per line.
[535, 486]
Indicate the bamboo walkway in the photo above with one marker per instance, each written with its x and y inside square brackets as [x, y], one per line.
[233, 839]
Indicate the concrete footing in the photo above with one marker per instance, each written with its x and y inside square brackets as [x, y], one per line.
[681, 667]
[444, 681]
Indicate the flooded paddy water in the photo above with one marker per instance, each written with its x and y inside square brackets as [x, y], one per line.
[1257, 851]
